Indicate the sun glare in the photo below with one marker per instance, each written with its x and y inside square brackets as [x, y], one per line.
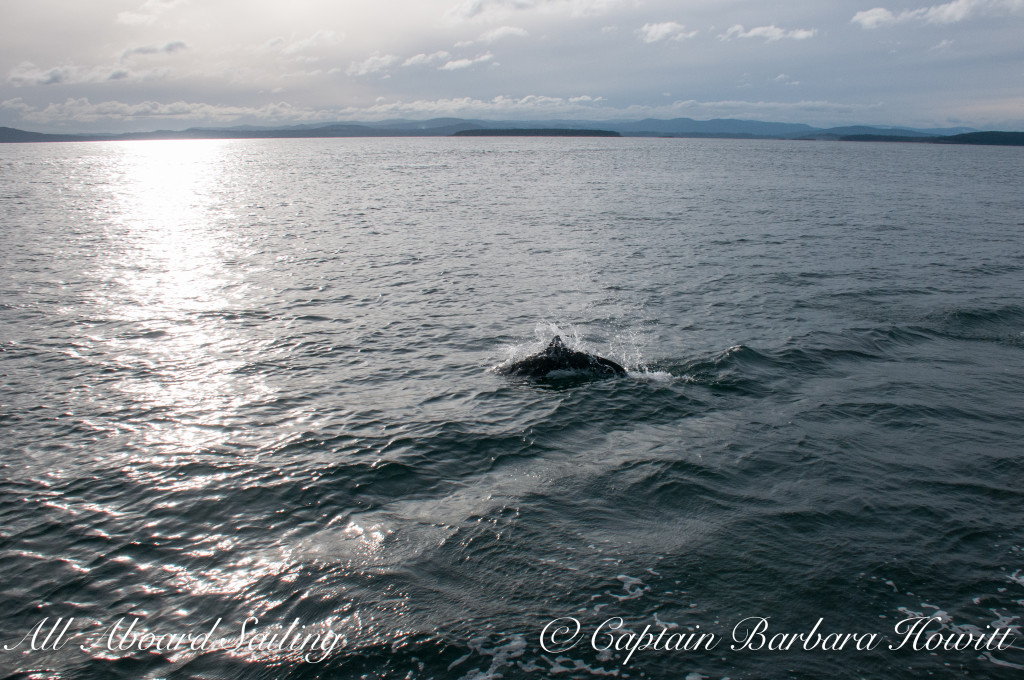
[171, 280]
[167, 206]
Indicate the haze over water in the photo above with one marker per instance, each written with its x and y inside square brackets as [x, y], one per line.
[254, 378]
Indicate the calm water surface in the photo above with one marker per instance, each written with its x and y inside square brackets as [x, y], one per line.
[252, 380]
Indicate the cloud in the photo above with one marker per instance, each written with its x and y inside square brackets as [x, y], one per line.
[769, 33]
[424, 59]
[27, 74]
[475, 9]
[503, 32]
[948, 13]
[167, 48]
[372, 64]
[318, 38]
[669, 30]
[873, 18]
[470, 9]
[495, 34]
[17, 104]
[82, 110]
[457, 64]
[147, 14]
[514, 107]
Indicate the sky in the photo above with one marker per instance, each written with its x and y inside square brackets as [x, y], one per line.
[132, 65]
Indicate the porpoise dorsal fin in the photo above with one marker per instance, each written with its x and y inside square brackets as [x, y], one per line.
[556, 343]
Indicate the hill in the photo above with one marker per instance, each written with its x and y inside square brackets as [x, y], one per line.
[443, 127]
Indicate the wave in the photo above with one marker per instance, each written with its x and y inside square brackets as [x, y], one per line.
[1003, 324]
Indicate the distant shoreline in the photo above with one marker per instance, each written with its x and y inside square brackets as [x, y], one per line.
[988, 138]
[458, 128]
[538, 132]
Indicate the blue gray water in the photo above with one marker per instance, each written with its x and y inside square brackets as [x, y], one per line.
[253, 379]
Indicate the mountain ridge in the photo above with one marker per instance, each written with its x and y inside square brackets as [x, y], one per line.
[443, 127]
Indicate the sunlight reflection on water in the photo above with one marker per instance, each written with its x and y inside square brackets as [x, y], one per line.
[168, 280]
[166, 203]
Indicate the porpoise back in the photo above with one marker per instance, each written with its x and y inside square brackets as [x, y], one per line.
[558, 357]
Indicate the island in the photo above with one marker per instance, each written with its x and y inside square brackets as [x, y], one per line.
[535, 132]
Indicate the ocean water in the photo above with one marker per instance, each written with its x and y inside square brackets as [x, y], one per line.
[251, 428]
